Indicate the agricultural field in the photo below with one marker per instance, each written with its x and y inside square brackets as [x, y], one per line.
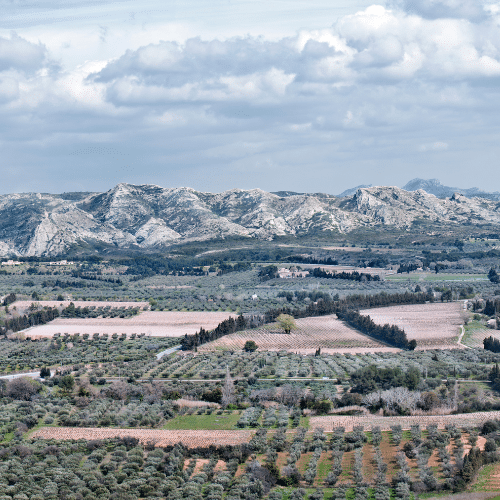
[433, 326]
[23, 305]
[150, 323]
[330, 422]
[161, 438]
[475, 332]
[322, 413]
[325, 332]
[339, 462]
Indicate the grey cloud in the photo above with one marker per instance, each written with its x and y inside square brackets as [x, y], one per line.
[18, 53]
[376, 46]
[379, 88]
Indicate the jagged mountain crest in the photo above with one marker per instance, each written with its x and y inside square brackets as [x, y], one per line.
[148, 216]
[434, 186]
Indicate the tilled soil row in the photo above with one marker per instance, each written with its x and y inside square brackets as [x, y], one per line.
[329, 422]
[189, 438]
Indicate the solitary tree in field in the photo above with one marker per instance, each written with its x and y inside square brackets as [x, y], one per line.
[228, 390]
[250, 346]
[286, 322]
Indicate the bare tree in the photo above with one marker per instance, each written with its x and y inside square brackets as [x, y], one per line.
[228, 396]
[22, 388]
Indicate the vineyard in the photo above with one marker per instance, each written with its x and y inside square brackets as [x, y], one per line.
[349, 422]
[475, 332]
[160, 438]
[325, 332]
[433, 326]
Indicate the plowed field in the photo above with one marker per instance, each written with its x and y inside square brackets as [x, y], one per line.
[190, 438]
[326, 332]
[328, 422]
[155, 323]
[433, 326]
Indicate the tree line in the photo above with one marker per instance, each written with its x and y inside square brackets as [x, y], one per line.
[31, 319]
[226, 327]
[491, 344]
[389, 334]
[352, 276]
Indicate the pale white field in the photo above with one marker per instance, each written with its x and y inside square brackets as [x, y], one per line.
[433, 326]
[154, 323]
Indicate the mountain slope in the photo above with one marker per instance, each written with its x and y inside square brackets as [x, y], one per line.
[433, 186]
[150, 217]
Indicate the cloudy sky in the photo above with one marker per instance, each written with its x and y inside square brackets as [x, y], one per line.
[302, 95]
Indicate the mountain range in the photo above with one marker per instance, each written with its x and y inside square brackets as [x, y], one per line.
[151, 217]
[433, 186]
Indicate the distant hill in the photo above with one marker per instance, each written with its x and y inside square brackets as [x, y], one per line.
[433, 186]
[351, 191]
[148, 217]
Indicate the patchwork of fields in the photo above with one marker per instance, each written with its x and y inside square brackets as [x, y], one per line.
[325, 332]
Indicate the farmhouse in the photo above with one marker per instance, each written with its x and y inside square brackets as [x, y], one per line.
[283, 272]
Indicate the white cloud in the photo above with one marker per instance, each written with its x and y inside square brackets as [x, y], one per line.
[373, 87]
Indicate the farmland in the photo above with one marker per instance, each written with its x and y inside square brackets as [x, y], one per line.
[160, 438]
[344, 459]
[385, 423]
[151, 323]
[431, 325]
[324, 412]
[326, 332]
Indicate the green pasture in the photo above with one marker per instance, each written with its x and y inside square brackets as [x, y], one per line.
[226, 421]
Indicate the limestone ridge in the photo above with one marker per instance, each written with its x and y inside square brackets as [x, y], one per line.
[151, 217]
[433, 186]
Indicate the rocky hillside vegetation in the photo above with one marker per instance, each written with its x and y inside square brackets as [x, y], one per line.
[151, 217]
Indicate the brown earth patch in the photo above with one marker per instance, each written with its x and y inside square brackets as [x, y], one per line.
[190, 438]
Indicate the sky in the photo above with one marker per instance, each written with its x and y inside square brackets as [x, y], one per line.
[306, 96]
